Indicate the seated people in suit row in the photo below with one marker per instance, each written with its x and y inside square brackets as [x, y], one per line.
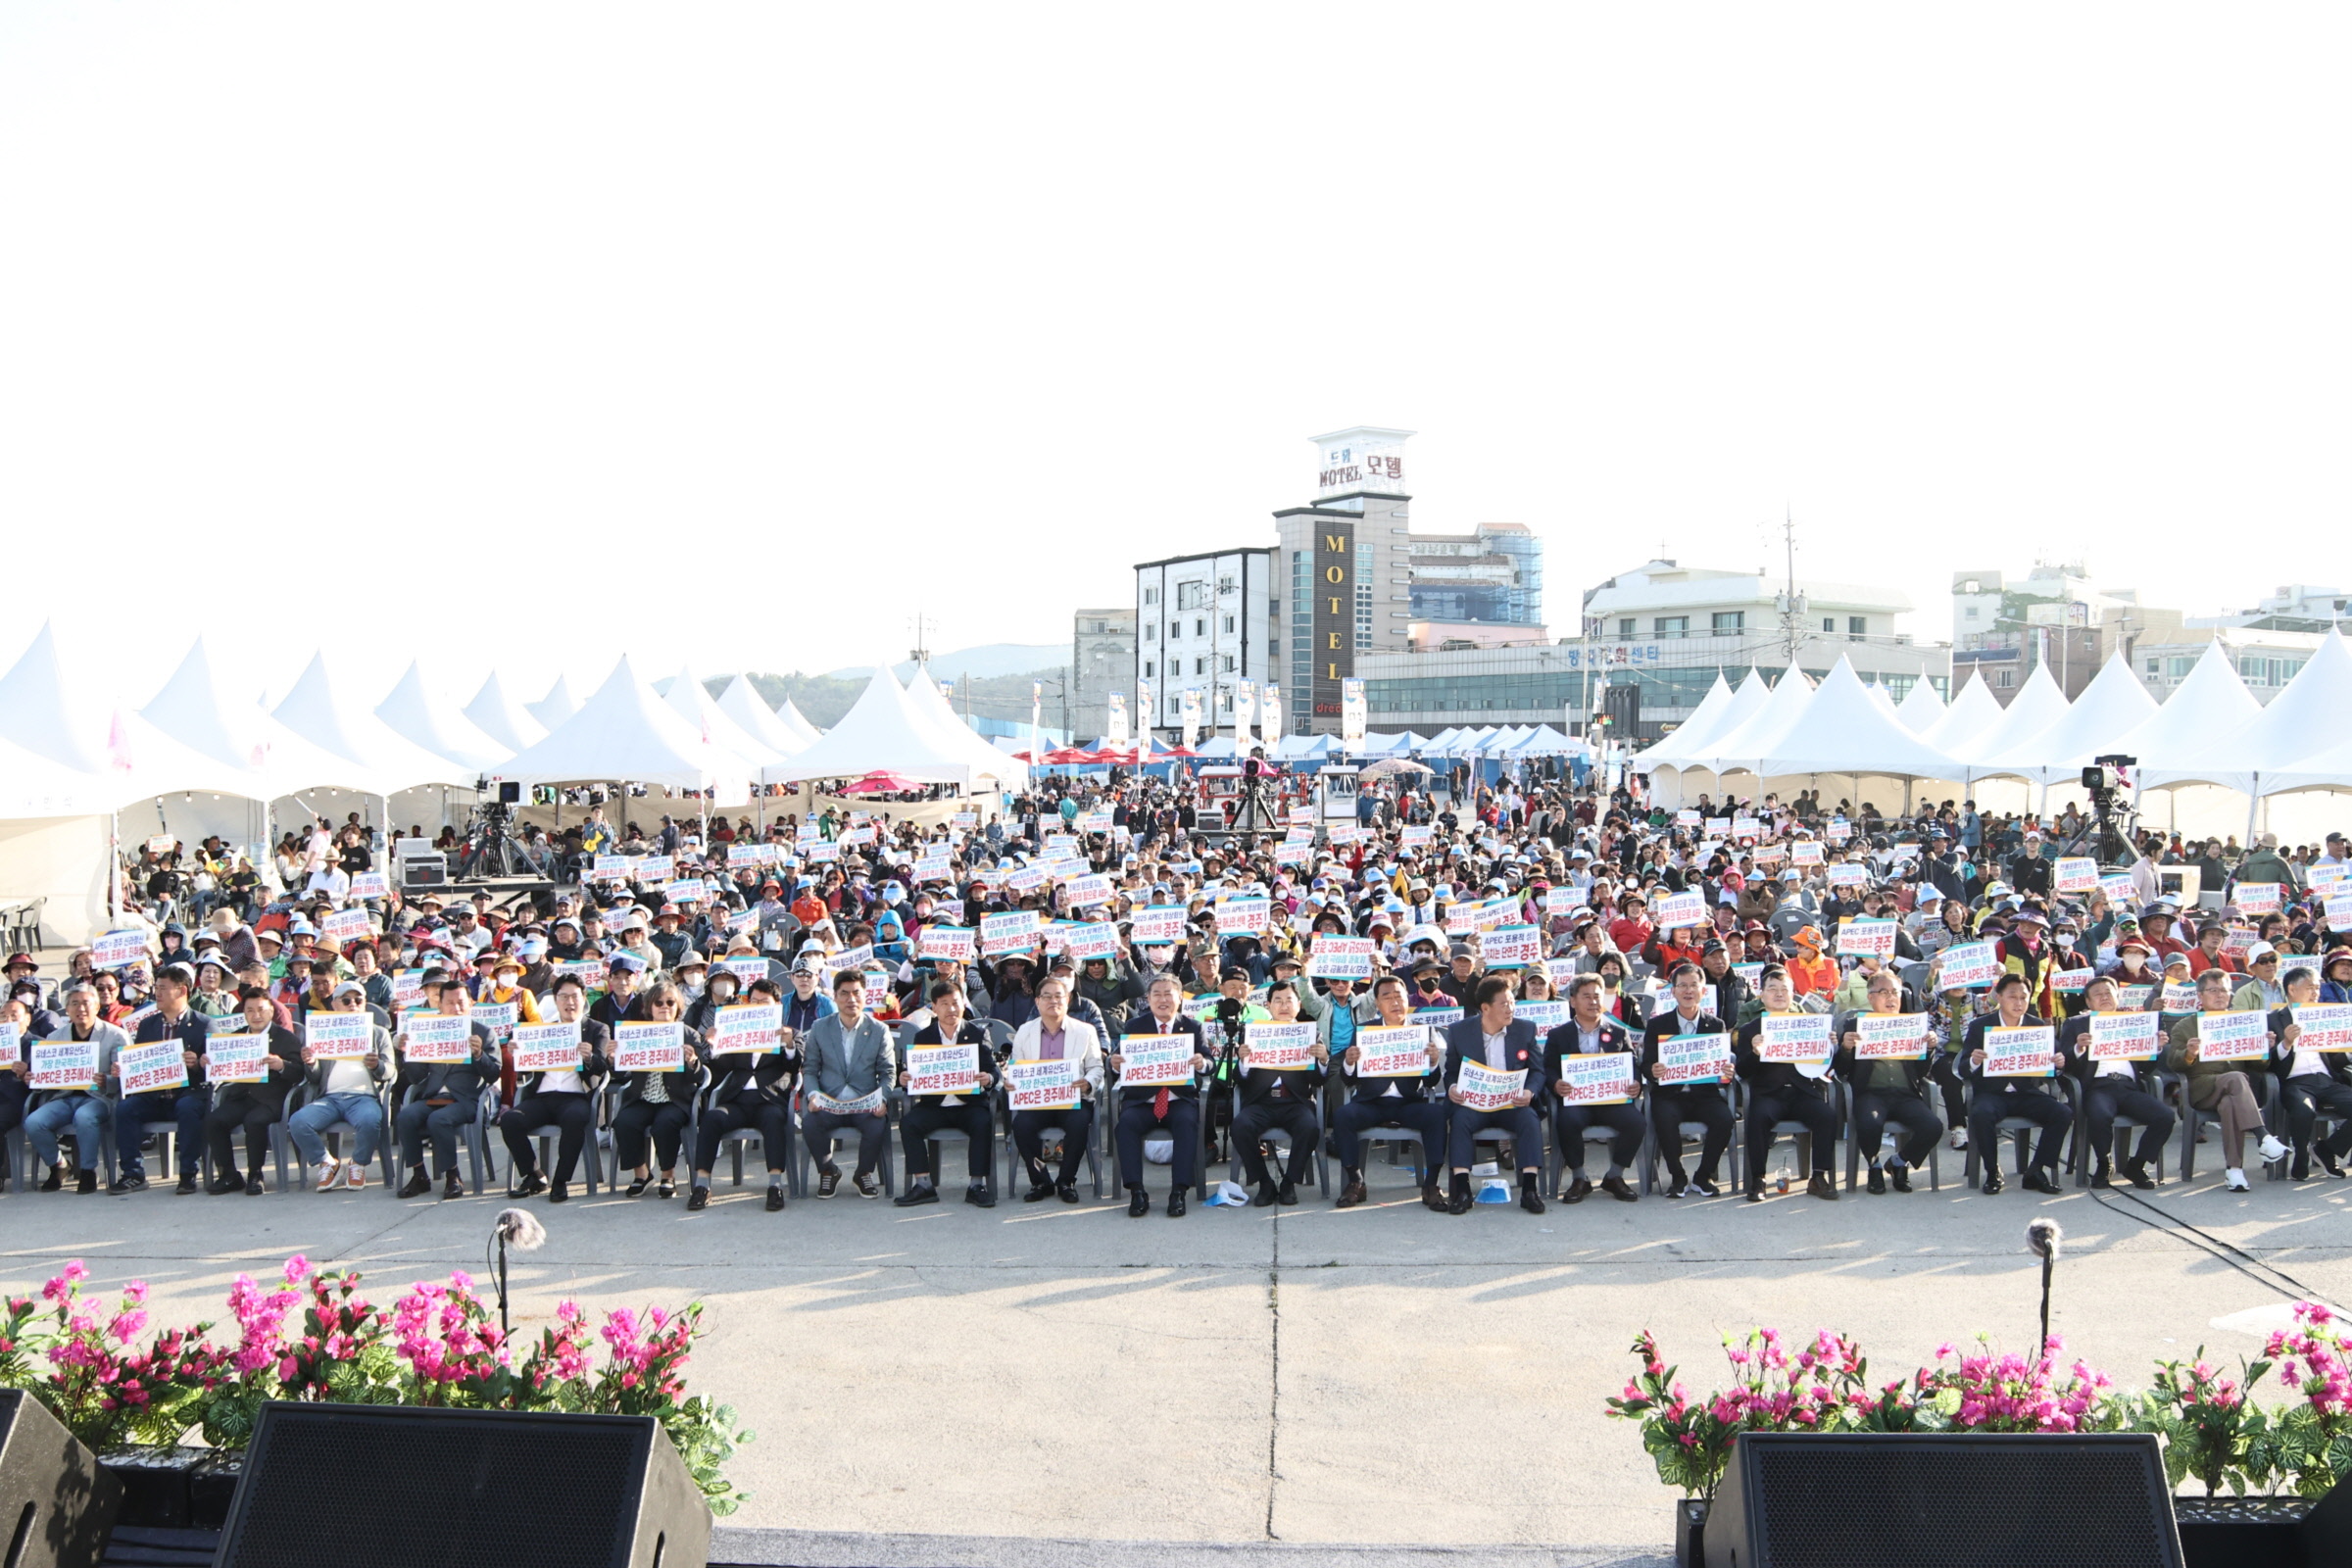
[1592, 1031]
[442, 1098]
[1998, 1098]
[971, 1114]
[1388, 1103]
[1888, 1090]
[2311, 1083]
[2112, 1088]
[1493, 1039]
[1671, 1105]
[564, 1098]
[1279, 1101]
[851, 1060]
[2220, 1089]
[1054, 1035]
[257, 1107]
[1174, 1109]
[1784, 1090]
[750, 1090]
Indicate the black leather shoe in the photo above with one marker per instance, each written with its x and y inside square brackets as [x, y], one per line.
[417, 1185]
[1822, 1185]
[2040, 1180]
[1264, 1198]
[560, 1193]
[1067, 1192]
[1755, 1192]
[979, 1197]
[1038, 1193]
[1286, 1193]
[1992, 1183]
[1877, 1185]
[1352, 1192]
[1531, 1200]
[775, 1197]
[86, 1182]
[1139, 1202]
[221, 1185]
[2099, 1178]
[1176, 1203]
[1899, 1178]
[532, 1186]
[1578, 1188]
[187, 1185]
[1458, 1201]
[452, 1187]
[54, 1180]
[919, 1194]
[1704, 1187]
[254, 1186]
[698, 1199]
[1616, 1187]
[1432, 1199]
[668, 1190]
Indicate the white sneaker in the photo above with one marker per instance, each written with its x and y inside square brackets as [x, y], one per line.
[2272, 1151]
[1959, 1138]
[327, 1174]
[355, 1175]
[2235, 1181]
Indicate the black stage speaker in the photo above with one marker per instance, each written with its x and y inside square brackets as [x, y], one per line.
[57, 1504]
[357, 1486]
[1795, 1499]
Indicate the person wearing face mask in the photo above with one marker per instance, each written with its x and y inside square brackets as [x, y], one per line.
[1784, 1090]
[718, 991]
[564, 1098]
[256, 1106]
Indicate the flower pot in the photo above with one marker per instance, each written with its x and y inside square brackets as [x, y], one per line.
[2240, 1532]
[1691, 1532]
[155, 1482]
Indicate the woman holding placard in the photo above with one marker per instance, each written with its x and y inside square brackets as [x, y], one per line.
[654, 1098]
[559, 1096]
[2114, 1061]
[2311, 1051]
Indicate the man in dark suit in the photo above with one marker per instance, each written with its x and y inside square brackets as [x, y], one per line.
[1491, 1038]
[1590, 1031]
[1672, 1105]
[446, 1095]
[1176, 1109]
[1284, 1100]
[1389, 1102]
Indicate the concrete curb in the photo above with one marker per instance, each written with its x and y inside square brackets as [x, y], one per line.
[740, 1547]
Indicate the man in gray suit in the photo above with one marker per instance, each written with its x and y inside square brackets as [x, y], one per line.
[849, 1058]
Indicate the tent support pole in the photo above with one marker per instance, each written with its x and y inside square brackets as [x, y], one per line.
[2253, 806]
[114, 864]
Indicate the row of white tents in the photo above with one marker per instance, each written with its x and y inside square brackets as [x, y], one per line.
[2210, 731]
[195, 759]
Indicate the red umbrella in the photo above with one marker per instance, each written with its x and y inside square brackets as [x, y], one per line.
[1069, 754]
[881, 784]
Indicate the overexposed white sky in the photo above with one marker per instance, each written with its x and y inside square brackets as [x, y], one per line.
[520, 336]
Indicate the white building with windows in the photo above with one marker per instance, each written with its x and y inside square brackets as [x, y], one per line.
[1204, 624]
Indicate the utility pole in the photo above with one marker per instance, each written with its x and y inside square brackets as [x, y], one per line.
[1792, 604]
[920, 653]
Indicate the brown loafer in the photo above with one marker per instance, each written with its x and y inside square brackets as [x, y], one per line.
[1350, 1194]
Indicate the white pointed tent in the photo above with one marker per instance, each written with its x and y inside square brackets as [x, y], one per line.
[2181, 740]
[2110, 706]
[741, 702]
[2272, 741]
[385, 762]
[502, 718]
[2037, 705]
[1844, 730]
[883, 733]
[1922, 708]
[272, 759]
[1972, 712]
[930, 705]
[691, 701]
[1671, 749]
[790, 717]
[623, 733]
[424, 718]
[33, 697]
[1742, 750]
[1879, 695]
[555, 707]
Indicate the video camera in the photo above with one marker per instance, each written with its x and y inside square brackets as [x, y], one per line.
[2106, 778]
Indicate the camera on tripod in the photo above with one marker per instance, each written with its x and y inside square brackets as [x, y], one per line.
[2103, 781]
[504, 796]
[2106, 775]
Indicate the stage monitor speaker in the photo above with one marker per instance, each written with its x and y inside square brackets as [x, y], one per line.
[390, 1487]
[1794, 1499]
[57, 1503]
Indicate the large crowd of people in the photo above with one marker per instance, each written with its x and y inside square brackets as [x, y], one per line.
[1526, 988]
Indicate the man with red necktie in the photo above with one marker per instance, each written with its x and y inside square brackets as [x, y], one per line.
[1175, 1109]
